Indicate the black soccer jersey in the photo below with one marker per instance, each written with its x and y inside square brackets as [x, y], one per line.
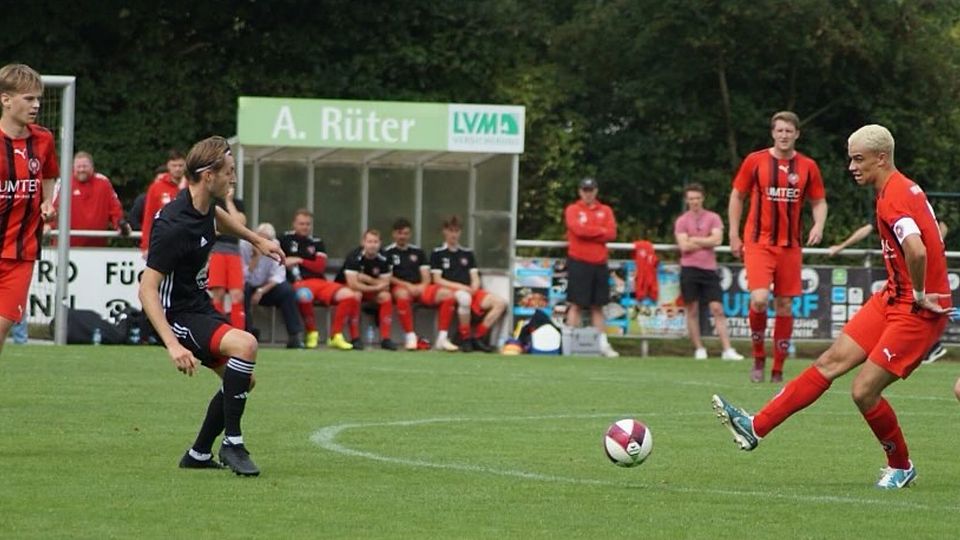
[406, 262]
[454, 265]
[355, 261]
[308, 248]
[180, 242]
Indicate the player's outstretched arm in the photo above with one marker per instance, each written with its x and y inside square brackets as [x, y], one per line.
[854, 237]
[229, 225]
[150, 300]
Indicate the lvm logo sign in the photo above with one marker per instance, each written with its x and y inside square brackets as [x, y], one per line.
[485, 128]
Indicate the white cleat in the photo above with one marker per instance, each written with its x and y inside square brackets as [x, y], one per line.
[731, 355]
[700, 354]
[446, 345]
[609, 352]
[411, 342]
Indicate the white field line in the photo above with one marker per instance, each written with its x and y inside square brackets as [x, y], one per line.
[326, 438]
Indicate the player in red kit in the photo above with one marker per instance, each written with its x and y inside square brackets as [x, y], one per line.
[163, 190]
[28, 169]
[893, 331]
[94, 204]
[777, 180]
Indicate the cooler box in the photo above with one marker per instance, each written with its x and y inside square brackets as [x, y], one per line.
[581, 341]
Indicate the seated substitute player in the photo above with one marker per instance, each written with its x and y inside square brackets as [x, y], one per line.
[411, 281]
[454, 267]
[890, 335]
[368, 272]
[173, 292]
[306, 262]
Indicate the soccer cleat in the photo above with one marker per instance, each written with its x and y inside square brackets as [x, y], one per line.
[423, 344]
[731, 354]
[388, 345]
[891, 478]
[295, 342]
[608, 351]
[357, 344]
[776, 376]
[338, 342]
[935, 353]
[411, 343]
[738, 422]
[481, 345]
[236, 457]
[189, 462]
[312, 339]
[446, 345]
[466, 345]
[756, 375]
[700, 354]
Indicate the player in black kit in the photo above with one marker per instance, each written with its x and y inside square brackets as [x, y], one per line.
[173, 292]
[367, 271]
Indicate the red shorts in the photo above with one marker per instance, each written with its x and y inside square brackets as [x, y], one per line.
[478, 297]
[427, 298]
[894, 337]
[15, 279]
[225, 271]
[323, 291]
[773, 264]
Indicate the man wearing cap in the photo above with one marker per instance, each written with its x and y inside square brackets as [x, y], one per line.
[590, 225]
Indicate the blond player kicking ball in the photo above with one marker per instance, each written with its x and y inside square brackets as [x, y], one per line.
[891, 334]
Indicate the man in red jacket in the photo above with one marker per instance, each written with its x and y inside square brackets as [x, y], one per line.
[94, 204]
[590, 225]
[163, 190]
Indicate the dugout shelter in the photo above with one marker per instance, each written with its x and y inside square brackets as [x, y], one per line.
[362, 164]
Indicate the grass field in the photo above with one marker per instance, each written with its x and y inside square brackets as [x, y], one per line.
[396, 445]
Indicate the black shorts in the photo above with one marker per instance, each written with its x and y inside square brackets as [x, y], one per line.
[588, 285]
[201, 332]
[699, 285]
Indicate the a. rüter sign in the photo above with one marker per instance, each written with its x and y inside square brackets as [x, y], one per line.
[383, 125]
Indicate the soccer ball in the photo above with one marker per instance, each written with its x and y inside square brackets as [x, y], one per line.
[628, 442]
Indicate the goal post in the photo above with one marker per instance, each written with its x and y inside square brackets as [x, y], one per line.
[66, 86]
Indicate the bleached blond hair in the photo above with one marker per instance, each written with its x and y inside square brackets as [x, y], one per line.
[873, 137]
[267, 231]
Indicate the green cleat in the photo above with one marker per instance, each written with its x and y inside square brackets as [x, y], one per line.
[738, 422]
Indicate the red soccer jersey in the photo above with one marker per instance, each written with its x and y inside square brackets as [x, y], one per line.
[902, 209]
[94, 206]
[777, 189]
[24, 164]
[161, 191]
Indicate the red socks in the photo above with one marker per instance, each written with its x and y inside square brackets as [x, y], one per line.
[782, 331]
[795, 396]
[386, 316]
[306, 312]
[481, 330]
[758, 330]
[445, 314]
[465, 331]
[217, 305]
[883, 421]
[238, 317]
[405, 314]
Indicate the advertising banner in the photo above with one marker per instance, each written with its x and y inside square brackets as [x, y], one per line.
[831, 296]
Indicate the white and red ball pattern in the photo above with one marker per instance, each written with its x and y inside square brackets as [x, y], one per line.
[628, 442]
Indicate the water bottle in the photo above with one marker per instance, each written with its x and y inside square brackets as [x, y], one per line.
[135, 335]
[97, 336]
[370, 335]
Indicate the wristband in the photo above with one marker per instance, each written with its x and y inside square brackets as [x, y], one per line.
[919, 294]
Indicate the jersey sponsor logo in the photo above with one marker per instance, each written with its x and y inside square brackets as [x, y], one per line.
[445, 263]
[887, 248]
[202, 276]
[294, 246]
[779, 194]
[19, 189]
[395, 259]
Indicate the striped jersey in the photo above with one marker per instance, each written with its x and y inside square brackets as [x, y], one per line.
[24, 164]
[777, 188]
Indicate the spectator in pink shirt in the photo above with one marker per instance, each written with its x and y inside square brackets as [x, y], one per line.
[698, 232]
